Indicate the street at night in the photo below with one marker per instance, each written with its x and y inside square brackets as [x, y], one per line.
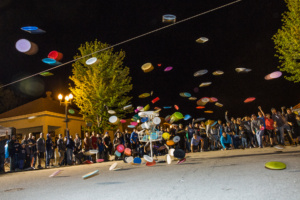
[234, 174]
[160, 99]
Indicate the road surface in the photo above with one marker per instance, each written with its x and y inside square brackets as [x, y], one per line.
[234, 175]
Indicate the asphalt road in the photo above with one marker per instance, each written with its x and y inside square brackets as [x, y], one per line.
[234, 175]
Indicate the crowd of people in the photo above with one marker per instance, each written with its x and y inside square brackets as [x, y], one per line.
[255, 131]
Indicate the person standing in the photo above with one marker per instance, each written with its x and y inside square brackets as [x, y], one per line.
[32, 150]
[61, 148]
[22, 156]
[94, 140]
[2, 152]
[270, 128]
[78, 142]
[40, 147]
[280, 124]
[70, 148]
[292, 122]
[107, 146]
[100, 148]
[133, 140]
[27, 158]
[17, 149]
[243, 136]
[87, 145]
[127, 139]
[11, 152]
[256, 127]
[49, 149]
[247, 127]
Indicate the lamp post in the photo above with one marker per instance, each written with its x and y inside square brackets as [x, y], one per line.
[67, 101]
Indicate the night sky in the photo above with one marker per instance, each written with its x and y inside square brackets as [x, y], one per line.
[239, 36]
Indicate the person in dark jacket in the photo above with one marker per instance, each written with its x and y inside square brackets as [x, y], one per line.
[127, 139]
[181, 133]
[2, 152]
[17, 149]
[78, 143]
[32, 149]
[70, 148]
[27, 158]
[40, 147]
[49, 149]
[61, 148]
[107, 146]
[22, 156]
[100, 148]
[11, 152]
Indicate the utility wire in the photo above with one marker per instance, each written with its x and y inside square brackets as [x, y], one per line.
[134, 38]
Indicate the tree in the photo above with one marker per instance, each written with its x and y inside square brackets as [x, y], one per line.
[105, 84]
[287, 41]
[8, 100]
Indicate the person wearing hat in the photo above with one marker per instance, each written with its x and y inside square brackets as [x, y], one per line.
[195, 141]
[226, 141]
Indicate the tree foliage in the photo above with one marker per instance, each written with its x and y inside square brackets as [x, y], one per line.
[105, 83]
[287, 41]
[8, 100]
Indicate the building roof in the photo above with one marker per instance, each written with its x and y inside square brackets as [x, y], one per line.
[38, 105]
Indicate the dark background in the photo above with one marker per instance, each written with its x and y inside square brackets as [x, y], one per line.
[239, 36]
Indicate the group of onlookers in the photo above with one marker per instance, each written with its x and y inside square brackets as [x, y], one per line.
[261, 130]
[252, 131]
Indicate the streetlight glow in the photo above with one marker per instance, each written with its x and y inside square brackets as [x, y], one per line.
[66, 102]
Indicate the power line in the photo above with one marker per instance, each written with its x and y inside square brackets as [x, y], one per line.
[134, 38]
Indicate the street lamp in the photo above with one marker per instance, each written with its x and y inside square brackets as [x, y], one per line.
[67, 101]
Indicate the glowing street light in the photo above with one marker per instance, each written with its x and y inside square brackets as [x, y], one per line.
[67, 101]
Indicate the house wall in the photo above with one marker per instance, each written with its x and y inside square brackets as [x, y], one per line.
[43, 122]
